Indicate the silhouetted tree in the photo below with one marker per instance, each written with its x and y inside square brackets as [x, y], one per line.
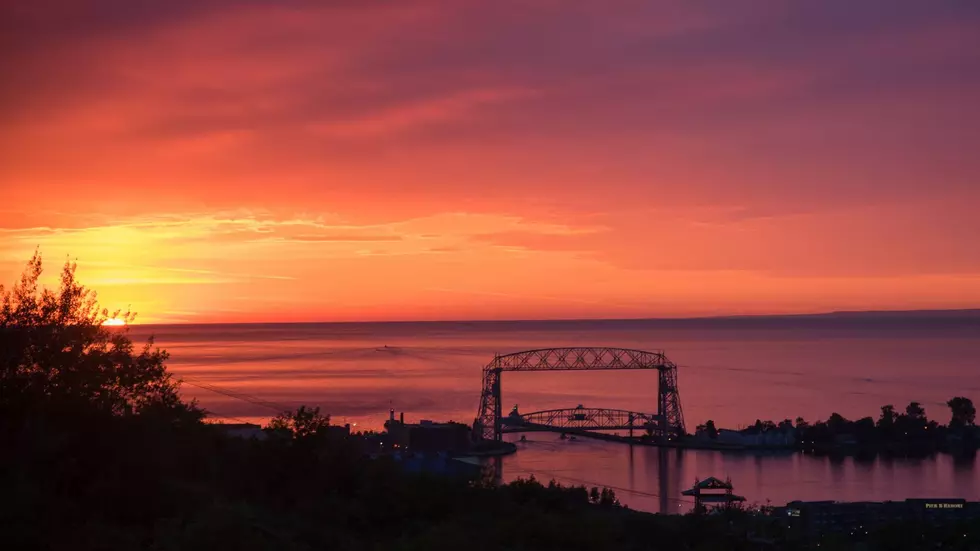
[888, 417]
[963, 412]
[302, 423]
[56, 356]
[864, 429]
[910, 433]
[915, 411]
[838, 424]
[914, 421]
[608, 497]
[709, 428]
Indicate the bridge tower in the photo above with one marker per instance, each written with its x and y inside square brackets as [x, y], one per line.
[487, 425]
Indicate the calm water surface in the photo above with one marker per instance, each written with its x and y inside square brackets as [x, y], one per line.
[732, 371]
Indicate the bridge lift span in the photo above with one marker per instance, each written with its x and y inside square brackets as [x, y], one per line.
[668, 422]
[580, 419]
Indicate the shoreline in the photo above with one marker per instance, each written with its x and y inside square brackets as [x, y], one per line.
[838, 450]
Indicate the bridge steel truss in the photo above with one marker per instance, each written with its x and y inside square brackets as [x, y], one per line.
[488, 422]
[579, 419]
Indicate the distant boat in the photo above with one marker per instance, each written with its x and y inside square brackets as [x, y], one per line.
[563, 436]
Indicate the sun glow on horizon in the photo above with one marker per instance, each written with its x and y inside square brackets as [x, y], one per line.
[302, 164]
[115, 322]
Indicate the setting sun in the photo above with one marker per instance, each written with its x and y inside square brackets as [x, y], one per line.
[114, 321]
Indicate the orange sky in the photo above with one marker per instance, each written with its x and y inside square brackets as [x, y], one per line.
[339, 160]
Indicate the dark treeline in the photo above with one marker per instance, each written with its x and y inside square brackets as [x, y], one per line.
[100, 452]
[909, 432]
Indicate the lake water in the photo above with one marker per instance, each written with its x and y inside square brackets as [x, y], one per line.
[733, 371]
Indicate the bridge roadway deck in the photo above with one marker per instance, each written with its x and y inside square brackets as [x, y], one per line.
[530, 427]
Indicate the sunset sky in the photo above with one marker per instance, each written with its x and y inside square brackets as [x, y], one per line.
[219, 160]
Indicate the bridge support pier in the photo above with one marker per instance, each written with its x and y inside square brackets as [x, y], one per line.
[662, 407]
[487, 425]
[497, 407]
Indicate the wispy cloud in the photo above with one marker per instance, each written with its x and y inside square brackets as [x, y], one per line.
[533, 298]
[453, 108]
[343, 159]
[238, 249]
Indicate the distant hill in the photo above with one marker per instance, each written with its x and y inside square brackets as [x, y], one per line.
[891, 317]
[970, 313]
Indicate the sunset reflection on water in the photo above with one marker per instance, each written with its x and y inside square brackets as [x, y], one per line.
[729, 373]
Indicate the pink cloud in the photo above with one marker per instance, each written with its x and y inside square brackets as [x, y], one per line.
[776, 139]
[456, 107]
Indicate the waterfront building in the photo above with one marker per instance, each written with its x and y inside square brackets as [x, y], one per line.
[427, 436]
[808, 519]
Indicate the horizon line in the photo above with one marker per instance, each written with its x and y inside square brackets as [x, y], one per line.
[975, 311]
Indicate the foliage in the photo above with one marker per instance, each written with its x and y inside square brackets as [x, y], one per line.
[908, 433]
[302, 423]
[963, 412]
[888, 417]
[708, 428]
[605, 497]
[915, 412]
[57, 356]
